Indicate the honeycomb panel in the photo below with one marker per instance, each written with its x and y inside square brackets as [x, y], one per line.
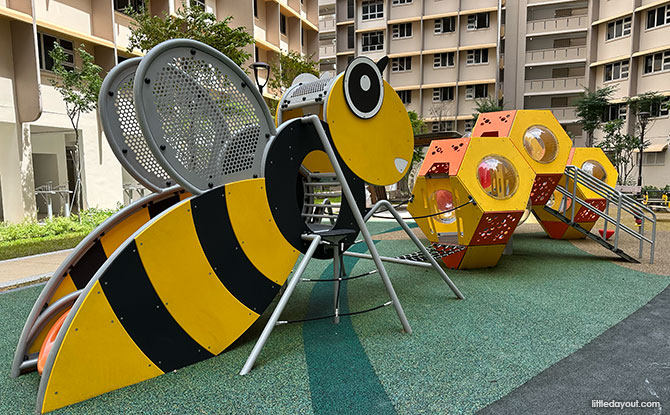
[585, 215]
[543, 187]
[495, 228]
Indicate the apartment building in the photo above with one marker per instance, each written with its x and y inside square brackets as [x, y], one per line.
[443, 54]
[629, 44]
[36, 140]
[327, 35]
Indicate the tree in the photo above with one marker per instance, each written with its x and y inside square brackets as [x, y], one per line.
[286, 66]
[418, 124]
[79, 88]
[647, 102]
[591, 106]
[483, 105]
[619, 148]
[194, 23]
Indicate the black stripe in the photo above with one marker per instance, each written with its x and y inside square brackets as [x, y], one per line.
[88, 265]
[144, 316]
[223, 251]
[157, 207]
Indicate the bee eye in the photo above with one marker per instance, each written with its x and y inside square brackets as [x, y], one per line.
[363, 87]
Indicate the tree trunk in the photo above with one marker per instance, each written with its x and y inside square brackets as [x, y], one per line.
[377, 193]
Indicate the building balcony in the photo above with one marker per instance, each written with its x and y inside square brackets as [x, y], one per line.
[327, 51]
[327, 25]
[557, 25]
[565, 114]
[573, 84]
[557, 55]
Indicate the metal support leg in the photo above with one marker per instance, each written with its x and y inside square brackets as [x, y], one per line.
[349, 196]
[416, 241]
[336, 284]
[295, 278]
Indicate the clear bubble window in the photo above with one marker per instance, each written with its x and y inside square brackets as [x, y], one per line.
[497, 176]
[540, 144]
[595, 169]
[442, 200]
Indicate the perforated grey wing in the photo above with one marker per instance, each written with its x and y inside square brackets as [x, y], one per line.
[204, 120]
[119, 122]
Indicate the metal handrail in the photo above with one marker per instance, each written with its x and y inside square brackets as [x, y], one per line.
[622, 203]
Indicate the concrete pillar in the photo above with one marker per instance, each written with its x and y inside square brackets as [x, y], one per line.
[16, 173]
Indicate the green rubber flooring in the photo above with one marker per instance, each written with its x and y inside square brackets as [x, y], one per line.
[536, 307]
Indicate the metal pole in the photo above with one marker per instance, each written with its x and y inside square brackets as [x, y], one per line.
[295, 278]
[346, 192]
[390, 259]
[574, 194]
[639, 171]
[336, 284]
[618, 223]
[418, 243]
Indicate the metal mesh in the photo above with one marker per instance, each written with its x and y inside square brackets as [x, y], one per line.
[311, 87]
[437, 251]
[132, 135]
[206, 120]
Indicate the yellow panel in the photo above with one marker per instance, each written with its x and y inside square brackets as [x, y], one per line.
[65, 287]
[481, 256]
[422, 205]
[79, 372]
[318, 162]
[370, 147]
[481, 147]
[572, 233]
[184, 280]
[468, 216]
[256, 230]
[527, 118]
[113, 238]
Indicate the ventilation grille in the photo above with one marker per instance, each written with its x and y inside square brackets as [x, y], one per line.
[311, 88]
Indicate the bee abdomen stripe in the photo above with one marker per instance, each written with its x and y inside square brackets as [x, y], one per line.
[88, 265]
[157, 207]
[223, 251]
[144, 316]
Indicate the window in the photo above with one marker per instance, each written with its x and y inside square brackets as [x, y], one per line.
[350, 9]
[401, 30]
[478, 21]
[402, 64]
[467, 126]
[397, 2]
[442, 126]
[445, 25]
[255, 8]
[653, 158]
[373, 9]
[615, 111]
[350, 37]
[476, 91]
[405, 96]
[46, 44]
[282, 24]
[618, 28]
[443, 60]
[443, 94]
[657, 62]
[373, 41]
[120, 5]
[198, 3]
[477, 57]
[659, 109]
[616, 70]
[658, 17]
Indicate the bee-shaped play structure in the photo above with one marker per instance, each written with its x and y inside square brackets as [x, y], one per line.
[189, 269]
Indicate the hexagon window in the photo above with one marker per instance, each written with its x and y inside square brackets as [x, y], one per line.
[497, 176]
[441, 200]
[540, 144]
[595, 169]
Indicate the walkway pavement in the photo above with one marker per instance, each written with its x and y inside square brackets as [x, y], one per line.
[19, 271]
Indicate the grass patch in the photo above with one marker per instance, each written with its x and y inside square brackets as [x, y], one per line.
[24, 247]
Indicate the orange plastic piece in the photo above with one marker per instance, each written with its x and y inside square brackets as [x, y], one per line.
[555, 230]
[444, 157]
[544, 186]
[494, 124]
[49, 342]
